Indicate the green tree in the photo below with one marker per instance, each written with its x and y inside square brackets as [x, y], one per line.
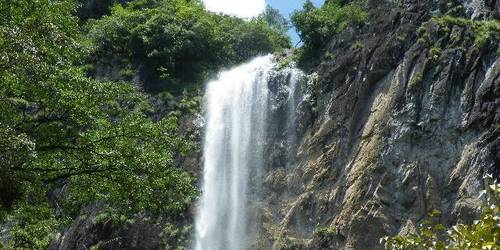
[60, 130]
[96, 8]
[174, 44]
[317, 26]
[275, 20]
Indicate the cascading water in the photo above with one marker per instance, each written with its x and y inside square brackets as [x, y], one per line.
[240, 107]
[236, 114]
[294, 95]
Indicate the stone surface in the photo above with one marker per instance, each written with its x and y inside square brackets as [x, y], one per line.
[391, 132]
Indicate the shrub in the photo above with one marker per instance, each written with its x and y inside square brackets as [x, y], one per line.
[482, 234]
[316, 26]
[435, 53]
[484, 32]
[357, 45]
[415, 79]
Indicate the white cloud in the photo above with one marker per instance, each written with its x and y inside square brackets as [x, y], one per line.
[240, 8]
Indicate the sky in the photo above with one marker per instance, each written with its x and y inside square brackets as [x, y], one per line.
[251, 8]
[286, 8]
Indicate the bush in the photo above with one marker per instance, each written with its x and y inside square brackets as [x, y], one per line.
[38, 225]
[482, 234]
[316, 26]
[484, 32]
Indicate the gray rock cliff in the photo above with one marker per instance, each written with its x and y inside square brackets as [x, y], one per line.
[394, 129]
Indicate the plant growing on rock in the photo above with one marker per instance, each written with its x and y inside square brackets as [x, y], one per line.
[317, 26]
[415, 80]
[482, 234]
[483, 32]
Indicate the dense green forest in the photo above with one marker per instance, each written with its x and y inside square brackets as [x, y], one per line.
[72, 135]
[172, 44]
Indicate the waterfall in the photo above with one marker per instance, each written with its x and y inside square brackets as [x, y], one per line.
[236, 114]
[239, 108]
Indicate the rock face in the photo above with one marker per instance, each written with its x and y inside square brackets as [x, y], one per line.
[100, 228]
[93, 232]
[388, 131]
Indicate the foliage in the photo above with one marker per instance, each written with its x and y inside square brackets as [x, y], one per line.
[317, 26]
[415, 79]
[178, 236]
[434, 53]
[287, 60]
[482, 234]
[275, 20]
[173, 44]
[91, 141]
[326, 232]
[34, 223]
[484, 31]
[96, 8]
[288, 243]
[357, 45]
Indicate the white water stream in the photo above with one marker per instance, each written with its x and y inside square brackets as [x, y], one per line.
[238, 106]
[236, 114]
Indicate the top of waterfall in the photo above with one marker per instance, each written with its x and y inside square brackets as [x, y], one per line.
[255, 64]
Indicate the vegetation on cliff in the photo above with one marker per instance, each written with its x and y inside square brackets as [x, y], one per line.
[484, 33]
[317, 26]
[484, 233]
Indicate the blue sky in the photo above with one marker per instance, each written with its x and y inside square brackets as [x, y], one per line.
[286, 7]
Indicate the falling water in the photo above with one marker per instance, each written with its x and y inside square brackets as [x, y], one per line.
[236, 114]
[294, 95]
